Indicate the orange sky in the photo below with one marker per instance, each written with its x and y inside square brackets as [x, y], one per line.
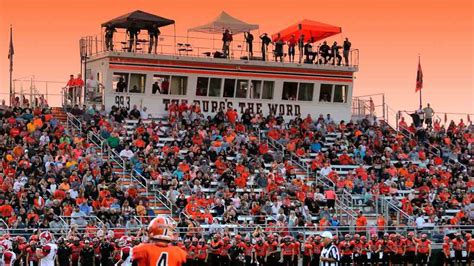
[389, 34]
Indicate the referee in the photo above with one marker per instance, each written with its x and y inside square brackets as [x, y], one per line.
[330, 254]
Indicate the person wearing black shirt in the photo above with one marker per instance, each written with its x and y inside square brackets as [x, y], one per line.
[346, 49]
[153, 32]
[109, 37]
[226, 40]
[134, 113]
[278, 48]
[335, 53]
[265, 42]
[64, 253]
[155, 87]
[324, 52]
[121, 85]
[132, 32]
[106, 250]
[308, 51]
[249, 40]
[301, 47]
[86, 256]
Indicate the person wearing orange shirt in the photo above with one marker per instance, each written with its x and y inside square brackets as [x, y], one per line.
[345, 248]
[161, 232]
[423, 250]
[410, 248]
[287, 251]
[361, 223]
[458, 243]
[374, 245]
[308, 251]
[261, 251]
[470, 248]
[399, 246]
[446, 251]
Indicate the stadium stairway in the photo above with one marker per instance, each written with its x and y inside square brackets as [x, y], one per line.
[344, 208]
[126, 179]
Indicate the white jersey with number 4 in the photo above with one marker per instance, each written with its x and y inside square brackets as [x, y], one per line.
[49, 252]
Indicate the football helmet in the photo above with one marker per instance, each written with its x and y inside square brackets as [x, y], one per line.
[162, 228]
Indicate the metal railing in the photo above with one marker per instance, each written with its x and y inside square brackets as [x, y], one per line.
[37, 92]
[386, 206]
[197, 47]
[73, 123]
[158, 196]
[135, 176]
[344, 201]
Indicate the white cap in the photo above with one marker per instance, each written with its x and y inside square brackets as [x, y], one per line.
[326, 234]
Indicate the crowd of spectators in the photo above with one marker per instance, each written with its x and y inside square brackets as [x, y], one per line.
[221, 170]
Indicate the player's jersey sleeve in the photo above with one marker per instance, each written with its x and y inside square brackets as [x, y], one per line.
[140, 255]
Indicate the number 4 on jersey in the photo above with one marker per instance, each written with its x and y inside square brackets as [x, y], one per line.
[163, 260]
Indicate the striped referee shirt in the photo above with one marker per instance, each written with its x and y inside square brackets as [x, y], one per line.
[330, 252]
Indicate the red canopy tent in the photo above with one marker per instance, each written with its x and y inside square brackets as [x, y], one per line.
[310, 29]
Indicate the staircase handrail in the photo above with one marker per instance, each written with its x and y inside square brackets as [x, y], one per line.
[162, 198]
[73, 121]
[342, 206]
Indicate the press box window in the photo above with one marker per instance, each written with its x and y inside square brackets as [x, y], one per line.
[267, 93]
[340, 94]
[215, 87]
[325, 93]
[255, 89]
[178, 85]
[120, 82]
[137, 83]
[289, 91]
[305, 92]
[229, 87]
[161, 84]
[242, 87]
[201, 87]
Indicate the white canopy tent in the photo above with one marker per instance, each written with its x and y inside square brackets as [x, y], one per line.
[222, 22]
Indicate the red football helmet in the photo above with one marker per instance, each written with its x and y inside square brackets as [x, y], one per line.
[162, 228]
[468, 236]
[45, 237]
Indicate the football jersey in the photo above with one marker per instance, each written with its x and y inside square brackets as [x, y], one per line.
[49, 252]
[151, 254]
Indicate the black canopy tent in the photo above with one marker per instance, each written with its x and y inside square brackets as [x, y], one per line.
[142, 20]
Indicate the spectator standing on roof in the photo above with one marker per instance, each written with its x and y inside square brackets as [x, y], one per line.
[265, 42]
[291, 48]
[301, 47]
[153, 33]
[109, 37]
[132, 31]
[278, 48]
[346, 46]
[249, 41]
[226, 42]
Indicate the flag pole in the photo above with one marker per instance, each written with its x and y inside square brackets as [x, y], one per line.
[421, 101]
[10, 56]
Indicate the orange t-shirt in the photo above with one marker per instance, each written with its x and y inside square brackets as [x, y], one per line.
[153, 254]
